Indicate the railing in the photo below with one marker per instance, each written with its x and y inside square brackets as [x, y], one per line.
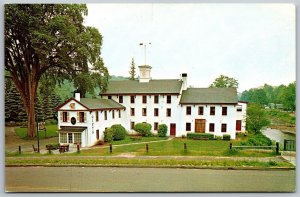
[256, 147]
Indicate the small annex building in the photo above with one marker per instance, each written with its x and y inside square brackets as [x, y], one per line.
[164, 101]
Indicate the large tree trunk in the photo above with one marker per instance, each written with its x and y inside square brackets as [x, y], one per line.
[28, 89]
[31, 115]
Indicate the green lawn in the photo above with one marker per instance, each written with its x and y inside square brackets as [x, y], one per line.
[128, 140]
[176, 147]
[50, 132]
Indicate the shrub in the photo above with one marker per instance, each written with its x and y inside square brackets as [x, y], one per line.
[162, 130]
[218, 137]
[183, 136]
[226, 137]
[119, 132]
[51, 122]
[200, 136]
[257, 140]
[143, 128]
[108, 135]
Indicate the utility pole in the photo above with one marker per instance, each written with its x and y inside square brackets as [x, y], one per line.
[145, 47]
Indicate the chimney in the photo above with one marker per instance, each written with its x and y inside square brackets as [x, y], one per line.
[184, 81]
[77, 96]
[145, 73]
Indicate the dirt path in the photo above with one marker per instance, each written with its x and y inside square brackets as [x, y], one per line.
[12, 141]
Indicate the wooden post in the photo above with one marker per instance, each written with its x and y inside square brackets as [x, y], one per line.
[110, 148]
[230, 146]
[78, 148]
[20, 150]
[185, 147]
[147, 148]
[277, 147]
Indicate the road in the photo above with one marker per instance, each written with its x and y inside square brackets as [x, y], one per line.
[109, 179]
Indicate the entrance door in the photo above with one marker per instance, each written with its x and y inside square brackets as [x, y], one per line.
[70, 138]
[172, 129]
[199, 125]
[238, 125]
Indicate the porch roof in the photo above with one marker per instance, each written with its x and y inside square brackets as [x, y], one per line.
[71, 129]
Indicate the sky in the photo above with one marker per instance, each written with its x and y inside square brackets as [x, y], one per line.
[253, 43]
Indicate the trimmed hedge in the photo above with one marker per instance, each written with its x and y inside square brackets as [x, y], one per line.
[119, 132]
[143, 128]
[200, 136]
[226, 137]
[162, 130]
[108, 135]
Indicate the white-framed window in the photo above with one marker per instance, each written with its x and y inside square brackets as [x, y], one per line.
[63, 137]
[77, 138]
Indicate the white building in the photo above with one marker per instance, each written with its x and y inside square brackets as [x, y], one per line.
[170, 102]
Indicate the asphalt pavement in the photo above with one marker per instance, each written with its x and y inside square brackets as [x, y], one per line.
[119, 179]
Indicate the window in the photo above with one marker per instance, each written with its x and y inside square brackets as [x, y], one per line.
[97, 116]
[200, 111]
[144, 99]
[144, 111]
[155, 111]
[105, 115]
[211, 127]
[188, 126]
[169, 99]
[188, 110]
[81, 117]
[155, 126]
[70, 138]
[224, 111]
[119, 113]
[168, 112]
[156, 99]
[131, 125]
[212, 110]
[113, 114]
[132, 111]
[77, 138]
[132, 98]
[223, 128]
[239, 108]
[120, 99]
[63, 137]
[109, 97]
[65, 116]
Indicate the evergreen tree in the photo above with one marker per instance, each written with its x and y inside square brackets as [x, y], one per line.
[132, 70]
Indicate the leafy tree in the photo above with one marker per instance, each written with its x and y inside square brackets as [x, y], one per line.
[224, 82]
[132, 70]
[47, 39]
[256, 118]
[289, 97]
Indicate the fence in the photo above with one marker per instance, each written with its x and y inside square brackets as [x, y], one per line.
[256, 147]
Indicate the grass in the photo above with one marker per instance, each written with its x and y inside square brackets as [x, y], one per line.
[51, 131]
[127, 140]
[144, 162]
[175, 147]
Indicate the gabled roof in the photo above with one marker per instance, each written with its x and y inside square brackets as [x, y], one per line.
[209, 96]
[94, 103]
[166, 86]
[97, 103]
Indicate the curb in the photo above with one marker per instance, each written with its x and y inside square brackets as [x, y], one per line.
[149, 166]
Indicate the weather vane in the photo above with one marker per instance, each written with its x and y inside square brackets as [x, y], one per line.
[145, 46]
